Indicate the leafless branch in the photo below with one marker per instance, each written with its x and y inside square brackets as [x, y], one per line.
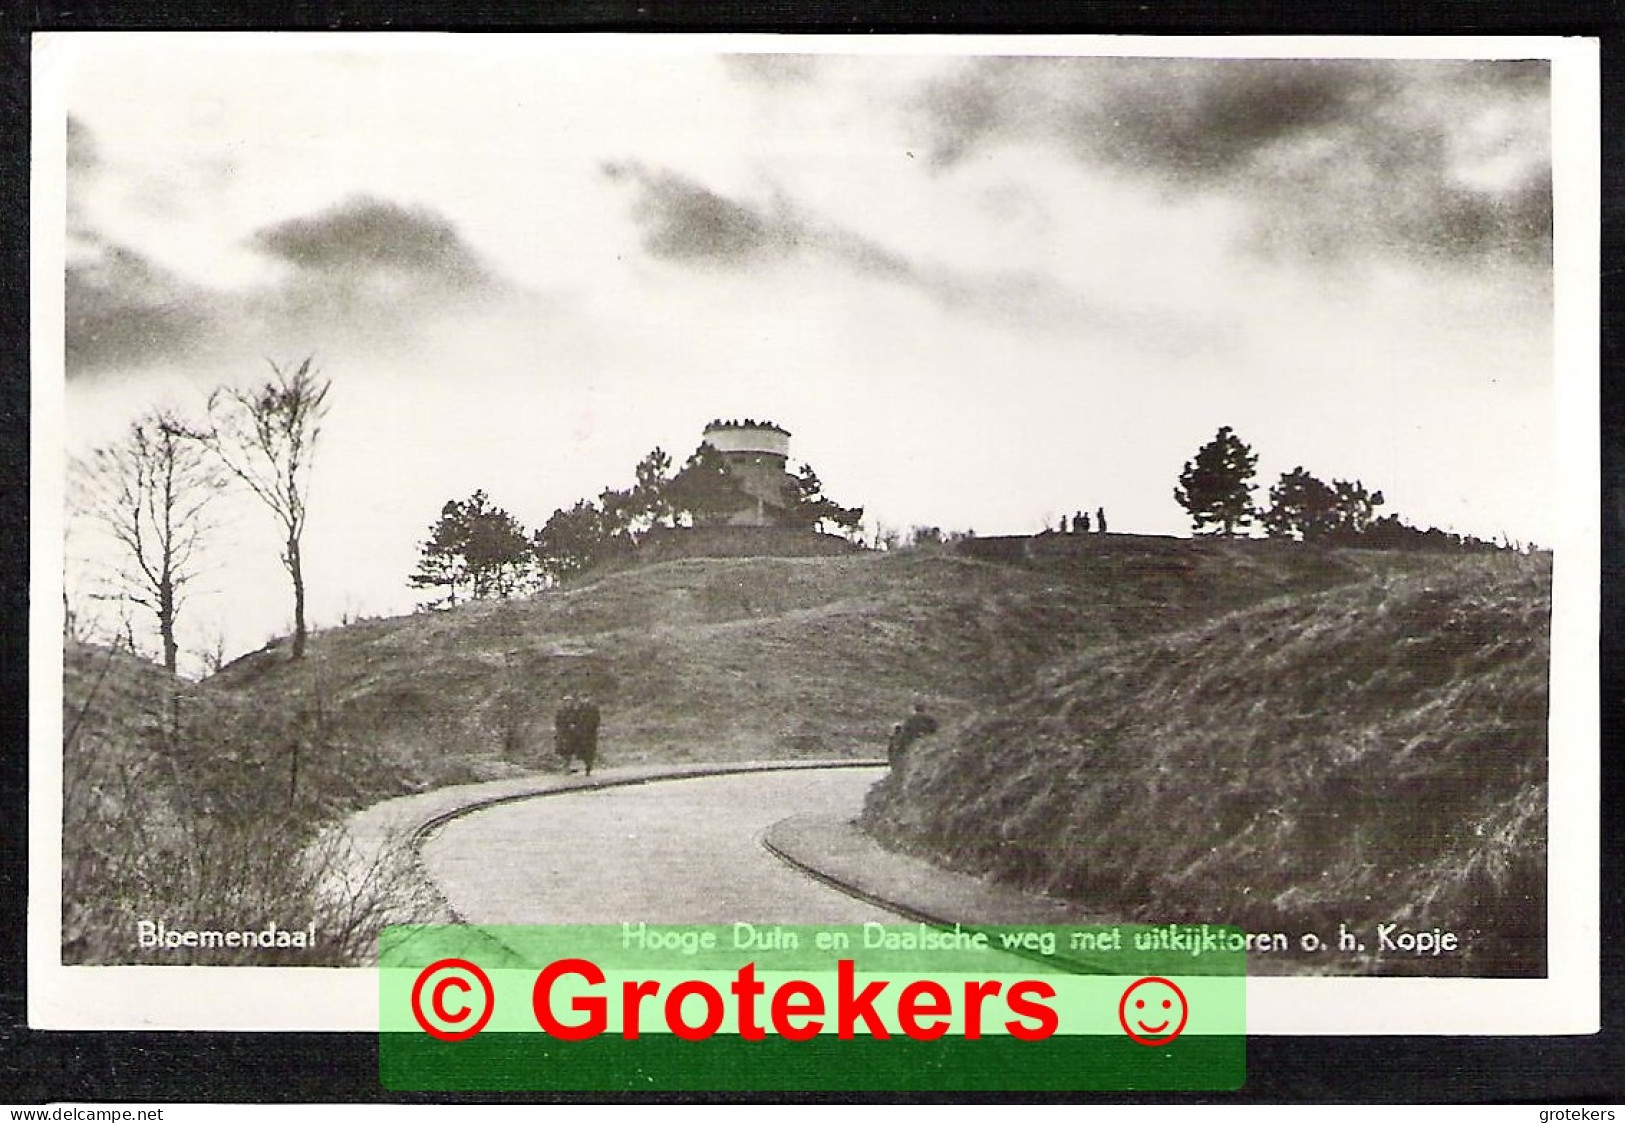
[150, 490]
[266, 438]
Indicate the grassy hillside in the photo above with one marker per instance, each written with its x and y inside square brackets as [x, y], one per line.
[1373, 753]
[738, 658]
[1264, 733]
[197, 809]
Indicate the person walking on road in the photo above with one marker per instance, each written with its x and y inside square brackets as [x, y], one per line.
[565, 727]
[588, 716]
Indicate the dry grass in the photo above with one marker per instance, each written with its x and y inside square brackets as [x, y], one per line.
[743, 658]
[1368, 754]
[1299, 727]
[184, 809]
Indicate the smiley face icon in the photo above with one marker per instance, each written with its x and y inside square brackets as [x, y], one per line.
[1153, 1011]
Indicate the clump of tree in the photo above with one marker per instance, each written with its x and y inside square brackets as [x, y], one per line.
[594, 531]
[704, 490]
[648, 502]
[1393, 533]
[1216, 488]
[151, 490]
[1310, 510]
[476, 550]
[1344, 513]
[573, 541]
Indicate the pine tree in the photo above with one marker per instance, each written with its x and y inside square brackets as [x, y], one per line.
[810, 509]
[473, 548]
[1356, 510]
[571, 541]
[1216, 488]
[653, 475]
[439, 564]
[1303, 506]
[705, 491]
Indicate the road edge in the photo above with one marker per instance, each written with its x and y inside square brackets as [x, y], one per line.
[845, 857]
[391, 834]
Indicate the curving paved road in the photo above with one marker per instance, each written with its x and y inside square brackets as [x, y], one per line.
[673, 852]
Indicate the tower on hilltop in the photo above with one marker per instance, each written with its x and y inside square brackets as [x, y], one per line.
[758, 455]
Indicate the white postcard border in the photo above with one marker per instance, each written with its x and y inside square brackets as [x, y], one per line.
[284, 998]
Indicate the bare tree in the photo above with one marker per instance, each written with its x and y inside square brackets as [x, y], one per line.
[266, 437]
[214, 655]
[150, 489]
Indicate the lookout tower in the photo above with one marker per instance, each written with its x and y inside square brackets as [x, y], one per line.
[758, 454]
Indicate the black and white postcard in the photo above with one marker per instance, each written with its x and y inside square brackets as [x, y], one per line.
[802, 480]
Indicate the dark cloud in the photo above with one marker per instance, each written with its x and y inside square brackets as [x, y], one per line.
[1196, 122]
[121, 309]
[1454, 222]
[687, 223]
[124, 311]
[684, 221]
[1334, 156]
[370, 271]
[366, 271]
[366, 235]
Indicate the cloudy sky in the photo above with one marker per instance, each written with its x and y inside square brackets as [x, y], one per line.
[981, 291]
